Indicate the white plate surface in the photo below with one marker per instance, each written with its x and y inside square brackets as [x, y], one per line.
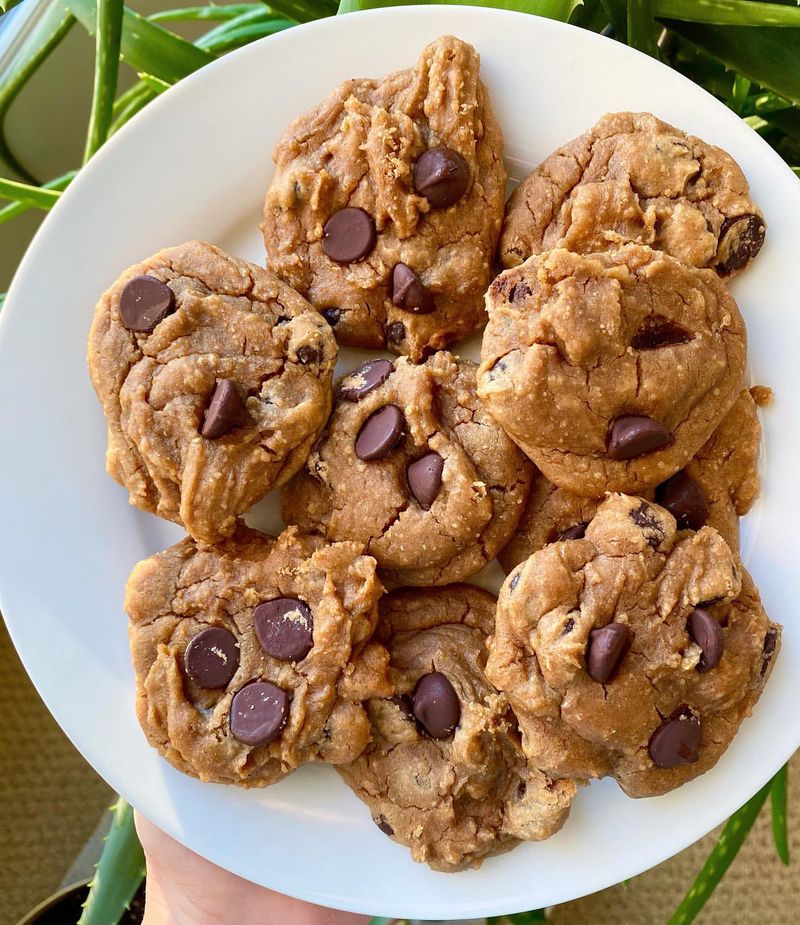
[196, 164]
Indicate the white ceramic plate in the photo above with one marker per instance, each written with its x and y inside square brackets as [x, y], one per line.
[196, 164]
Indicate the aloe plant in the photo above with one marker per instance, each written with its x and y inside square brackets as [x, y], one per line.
[742, 51]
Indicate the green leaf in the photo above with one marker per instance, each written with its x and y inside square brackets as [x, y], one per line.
[44, 36]
[739, 94]
[154, 84]
[728, 12]
[12, 210]
[211, 13]
[33, 196]
[146, 46]
[119, 872]
[642, 29]
[131, 102]
[730, 841]
[767, 56]
[778, 793]
[306, 10]
[249, 26]
[2, 298]
[617, 11]
[5, 5]
[107, 44]
[380, 921]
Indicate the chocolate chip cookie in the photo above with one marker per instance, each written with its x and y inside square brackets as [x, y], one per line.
[215, 379]
[253, 656]
[634, 652]
[444, 773]
[413, 467]
[634, 178]
[716, 488]
[387, 202]
[610, 370]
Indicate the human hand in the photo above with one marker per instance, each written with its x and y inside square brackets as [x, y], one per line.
[185, 889]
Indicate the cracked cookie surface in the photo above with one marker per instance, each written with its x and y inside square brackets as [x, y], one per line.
[467, 793]
[200, 619]
[634, 652]
[610, 370]
[725, 469]
[377, 146]
[633, 178]
[217, 394]
[444, 488]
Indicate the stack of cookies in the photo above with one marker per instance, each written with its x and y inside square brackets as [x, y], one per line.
[604, 450]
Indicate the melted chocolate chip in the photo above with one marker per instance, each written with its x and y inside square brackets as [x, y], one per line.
[436, 705]
[409, 292]
[515, 581]
[644, 516]
[569, 626]
[349, 235]
[425, 478]
[226, 411]
[740, 240]
[212, 657]
[144, 302]
[685, 499]
[384, 826]
[395, 332]
[380, 433]
[284, 628]
[677, 741]
[307, 355]
[768, 650]
[635, 435]
[363, 379]
[707, 633]
[658, 331]
[331, 315]
[258, 713]
[575, 532]
[442, 176]
[604, 650]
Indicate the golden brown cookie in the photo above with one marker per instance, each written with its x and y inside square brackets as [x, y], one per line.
[215, 379]
[634, 652]
[610, 370]
[716, 488]
[253, 656]
[444, 773]
[633, 178]
[412, 466]
[387, 202]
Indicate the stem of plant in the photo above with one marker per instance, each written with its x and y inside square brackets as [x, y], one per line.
[107, 42]
[17, 208]
[33, 196]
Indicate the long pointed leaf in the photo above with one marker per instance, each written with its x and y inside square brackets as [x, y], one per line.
[33, 196]
[642, 30]
[730, 841]
[45, 35]
[107, 42]
[146, 46]
[18, 208]
[617, 11]
[305, 10]
[778, 795]
[728, 12]
[766, 55]
[210, 13]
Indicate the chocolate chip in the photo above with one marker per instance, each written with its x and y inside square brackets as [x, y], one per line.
[380, 433]
[307, 354]
[575, 532]
[676, 742]
[442, 176]
[657, 332]
[331, 315]
[522, 788]
[519, 292]
[604, 650]
[395, 332]
[212, 657]
[768, 650]
[685, 499]
[436, 705]
[634, 435]
[409, 292]
[282, 319]
[363, 379]
[515, 581]
[258, 713]
[740, 240]
[284, 628]
[498, 367]
[707, 633]
[144, 302]
[225, 411]
[569, 626]
[425, 478]
[644, 516]
[349, 235]
[384, 826]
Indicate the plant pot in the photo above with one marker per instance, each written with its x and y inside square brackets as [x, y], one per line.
[64, 908]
